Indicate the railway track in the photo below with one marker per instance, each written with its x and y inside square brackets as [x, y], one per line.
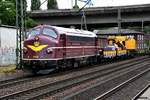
[117, 88]
[138, 96]
[104, 87]
[28, 78]
[61, 85]
[21, 80]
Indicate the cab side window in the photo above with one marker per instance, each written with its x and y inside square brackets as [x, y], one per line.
[50, 32]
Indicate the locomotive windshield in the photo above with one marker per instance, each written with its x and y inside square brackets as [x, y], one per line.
[50, 32]
[34, 32]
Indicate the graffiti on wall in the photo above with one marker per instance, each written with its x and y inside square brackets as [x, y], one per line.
[7, 55]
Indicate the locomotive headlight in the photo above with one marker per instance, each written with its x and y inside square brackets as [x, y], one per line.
[100, 50]
[25, 50]
[36, 38]
[49, 50]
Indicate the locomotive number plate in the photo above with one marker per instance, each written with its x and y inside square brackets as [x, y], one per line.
[36, 57]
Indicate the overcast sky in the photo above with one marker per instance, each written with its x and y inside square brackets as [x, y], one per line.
[66, 4]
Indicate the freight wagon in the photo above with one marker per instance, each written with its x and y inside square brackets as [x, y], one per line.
[138, 36]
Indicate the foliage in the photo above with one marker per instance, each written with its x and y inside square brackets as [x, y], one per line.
[8, 69]
[147, 29]
[35, 4]
[7, 12]
[52, 4]
[30, 23]
[13, 1]
[76, 7]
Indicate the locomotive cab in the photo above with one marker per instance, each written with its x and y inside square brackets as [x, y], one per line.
[38, 48]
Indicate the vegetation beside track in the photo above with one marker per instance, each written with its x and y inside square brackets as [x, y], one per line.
[8, 69]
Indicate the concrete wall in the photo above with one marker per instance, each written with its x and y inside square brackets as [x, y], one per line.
[7, 45]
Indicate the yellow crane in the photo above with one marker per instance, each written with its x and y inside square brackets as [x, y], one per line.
[122, 42]
[119, 46]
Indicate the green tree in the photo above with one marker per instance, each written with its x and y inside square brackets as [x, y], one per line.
[7, 12]
[76, 7]
[52, 4]
[35, 4]
[13, 1]
[147, 29]
[30, 23]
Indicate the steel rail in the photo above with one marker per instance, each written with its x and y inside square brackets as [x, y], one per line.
[115, 89]
[141, 92]
[11, 82]
[85, 90]
[73, 85]
[57, 83]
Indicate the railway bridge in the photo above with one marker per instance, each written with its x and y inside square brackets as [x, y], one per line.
[95, 17]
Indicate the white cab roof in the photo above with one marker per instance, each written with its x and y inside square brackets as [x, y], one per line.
[74, 32]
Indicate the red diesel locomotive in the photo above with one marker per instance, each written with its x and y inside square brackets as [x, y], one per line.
[51, 47]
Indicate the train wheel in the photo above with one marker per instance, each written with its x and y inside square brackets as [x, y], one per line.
[90, 61]
[69, 64]
[76, 64]
[57, 68]
[34, 72]
[61, 65]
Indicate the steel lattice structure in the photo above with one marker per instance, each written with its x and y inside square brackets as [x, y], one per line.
[20, 24]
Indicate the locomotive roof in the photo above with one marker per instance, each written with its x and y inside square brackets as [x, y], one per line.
[72, 31]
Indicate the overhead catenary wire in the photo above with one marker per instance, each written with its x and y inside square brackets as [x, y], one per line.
[83, 18]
